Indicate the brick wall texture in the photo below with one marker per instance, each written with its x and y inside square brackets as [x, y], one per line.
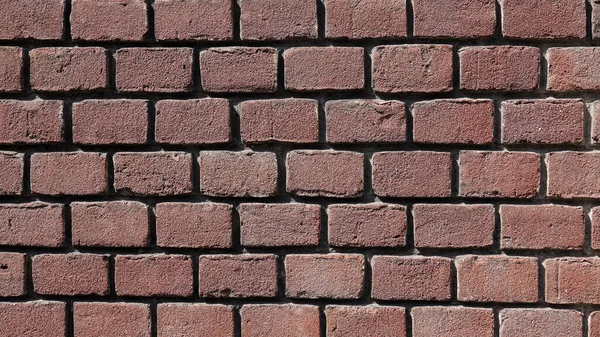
[299, 168]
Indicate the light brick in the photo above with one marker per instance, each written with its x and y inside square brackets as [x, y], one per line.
[572, 280]
[540, 322]
[573, 69]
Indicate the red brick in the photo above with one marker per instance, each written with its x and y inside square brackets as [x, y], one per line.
[573, 174]
[534, 19]
[324, 68]
[110, 122]
[412, 68]
[70, 274]
[238, 174]
[109, 224]
[12, 274]
[365, 121]
[154, 69]
[196, 121]
[69, 69]
[454, 18]
[542, 227]
[540, 322]
[286, 320]
[573, 69]
[454, 121]
[238, 276]
[11, 69]
[239, 69]
[68, 173]
[108, 20]
[31, 122]
[194, 319]
[340, 173]
[365, 19]
[595, 219]
[595, 121]
[452, 322]
[499, 68]
[279, 225]
[153, 275]
[367, 225]
[334, 276]
[371, 321]
[193, 225]
[411, 174]
[453, 226]
[278, 19]
[11, 176]
[111, 319]
[153, 173]
[488, 174]
[33, 319]
[33, 224]
[497, 278]
[277, 120]
[32, 20]
[594, 324]
[193, 20]
[572, 280]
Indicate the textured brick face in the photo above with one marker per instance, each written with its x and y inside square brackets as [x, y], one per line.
[31, 122]
[452, 322]
[11, 68]
[108, 20]
[12, 274]
[34, 318]
[32, 20]
[32, 224]
[454, 18]
[153, 275]
[540, 322]
[572, 280]
[70, 274]
[111, 319]
[287, 320]
[278, 19]
[354, 321]
[182, 319]
[193, 20]
[365, 19]
[573, 69]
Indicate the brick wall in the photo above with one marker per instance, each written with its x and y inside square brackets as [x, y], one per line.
[299, 168]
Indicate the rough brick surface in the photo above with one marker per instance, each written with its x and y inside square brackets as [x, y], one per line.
[573, 175]
[11, 177]
[454, 18]
[572, 280]
[540, 322]
[182, 319]
[595, 120]
[594, 324]
[32, 20]
[365, 19]
[452, 322]
[34, 319]
[111, 319]
[355, 321]
[573, 69]
[12, 274]
[595, 219]
[108, 20]
[31, 122]
[32, 224]
[286, 320]
[193, 20]
[278, 19]
[11, 69]
[70, 274]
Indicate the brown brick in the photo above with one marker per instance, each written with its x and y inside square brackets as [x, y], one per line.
[195, 121]
[594, 324]
[454, 18]
[412, 68]
[340, 173]
[193, 225]
[279, 225]
[153, 275]
[453, 226]
[32, 20]
[108, 20]
[109, 224]
[334, 276]
[354, 321]
[285, 320]
[573, 69]
[238, 276]
[367, 225]
[365, 19]
[193, 20]
[238, 174]
[278, 19]
[182, 319]
[542, 227]
[111, 319]
[540, 322]
[497, 278]
[595, 219]
[573, 174]
[239, 69]
[70, 274]
[11, 176]
[33, 319]
[11, 69]
[594, 112]
[572, 280]
[33, 224]
[452, 322]
[31, 122]
[12, 274]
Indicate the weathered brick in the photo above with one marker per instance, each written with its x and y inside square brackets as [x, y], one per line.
[572, 280]
[31, 122]
[595, 120]
[32, 20]
[111, 319]
[285, 320]
[573, 69]
[497, 278]
[70, 274]
[540, 322]
[34, 224]
[278, 19]
[365, 19]
[12, 274]
[108, 20]
[11, 176]
[33, 319]
[573, 175]
[454, 18]
[193, 20]
[11, 69]
[355, 321]
[595, 219]
[452, 322]
[594, 324]
[194, 319]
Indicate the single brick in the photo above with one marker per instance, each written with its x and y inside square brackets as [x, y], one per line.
[573, 174]
[111, 319]
[32, 20]
[194, 121]
[31, 122]
[108, 20]
[411, 174]
[572, 280]
[68, 173]
[109, 224]
[69, 69]
[11, 69]
[595, 219]
[453, 226]
[366, 225]
[454, 18]
[193, 20]
[324, 68]
[153, 173]
[497, 278]
[333, 276]
[365, 121]
[499, 68]
[119, 121]
[239, 69]
[11, 176]
[194, 319]
[542, 227]
[285, 320]
[355, 321]
[12, 274]
[33, 319]
[278, 19]
[595, 120]
[193, 225]
[502, 174]
[279, 225]
[277, 120]
[238, 174]
[154, 70]
[70, 274]
[341, 173]
[412, 68]
[540, 322]
[534, 19]
[374, 19]
[452, 322]
[594, 324]
[238, 276]
[573, 69]
[33, 224]
[153, 275]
